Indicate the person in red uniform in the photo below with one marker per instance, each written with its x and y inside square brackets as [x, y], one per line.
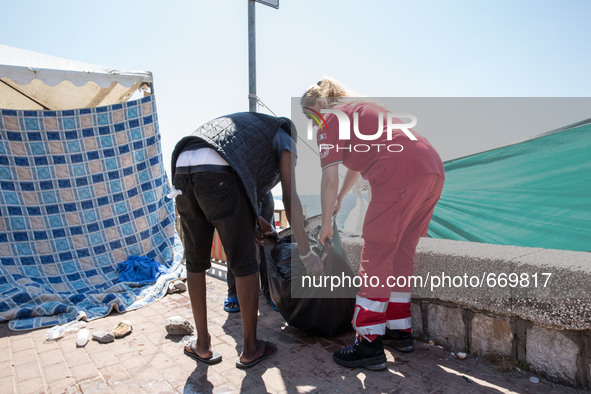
[406, 177]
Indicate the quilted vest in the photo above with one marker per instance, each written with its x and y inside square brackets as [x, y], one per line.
[245, 141]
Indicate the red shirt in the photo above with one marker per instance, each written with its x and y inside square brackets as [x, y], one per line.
[399, 159]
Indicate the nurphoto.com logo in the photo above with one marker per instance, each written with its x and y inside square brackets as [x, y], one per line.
[315, 118]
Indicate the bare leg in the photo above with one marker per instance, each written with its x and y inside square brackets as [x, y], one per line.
[247, 288]
[196, 286]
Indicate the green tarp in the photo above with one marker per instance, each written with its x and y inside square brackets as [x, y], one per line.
[535, 193]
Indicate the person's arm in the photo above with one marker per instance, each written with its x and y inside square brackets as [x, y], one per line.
[350, 180]
[294, 212]
[268, 229]
[267, 219]
[291, 201]
[328, 199]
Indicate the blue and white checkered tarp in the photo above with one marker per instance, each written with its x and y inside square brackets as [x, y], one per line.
[81, 191]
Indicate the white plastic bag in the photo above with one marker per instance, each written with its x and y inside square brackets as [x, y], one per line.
[174, 193]
[60, 331]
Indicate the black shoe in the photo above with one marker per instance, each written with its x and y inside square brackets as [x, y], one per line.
[362, 353]
[399, 340]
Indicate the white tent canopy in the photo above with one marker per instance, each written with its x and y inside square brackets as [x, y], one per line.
[31, 80]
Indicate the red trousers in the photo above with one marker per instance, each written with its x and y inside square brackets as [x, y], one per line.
[396, 218]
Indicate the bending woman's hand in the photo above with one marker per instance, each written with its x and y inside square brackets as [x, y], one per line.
[326, 233]
[328, 199]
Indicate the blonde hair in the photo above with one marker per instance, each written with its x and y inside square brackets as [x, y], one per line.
[330, 92]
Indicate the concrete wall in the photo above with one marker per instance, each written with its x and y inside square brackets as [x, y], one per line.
[547, 325]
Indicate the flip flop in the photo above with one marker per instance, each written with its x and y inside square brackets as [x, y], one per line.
[231, 300]
[270, 349]
[214, 359]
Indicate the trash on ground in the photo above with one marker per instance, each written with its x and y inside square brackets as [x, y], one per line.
[187, 339]
[461, 355]
[176, 286]
[83, 336]
[103, 337]
[176, 325]
[58, 332]
[467, 379]
[533, 379]
[123, 328]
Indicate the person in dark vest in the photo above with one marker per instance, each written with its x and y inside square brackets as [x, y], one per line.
[222, 171]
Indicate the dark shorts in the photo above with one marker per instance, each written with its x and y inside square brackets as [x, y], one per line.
[216, 200]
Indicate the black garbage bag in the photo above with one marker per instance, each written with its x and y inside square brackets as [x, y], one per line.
[314, 310]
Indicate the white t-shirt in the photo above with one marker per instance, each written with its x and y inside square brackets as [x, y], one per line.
[199, 157]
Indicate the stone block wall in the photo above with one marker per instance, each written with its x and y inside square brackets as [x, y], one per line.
[560, 355]
[542, 327]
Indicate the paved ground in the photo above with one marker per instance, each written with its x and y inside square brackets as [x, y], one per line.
[148, 360]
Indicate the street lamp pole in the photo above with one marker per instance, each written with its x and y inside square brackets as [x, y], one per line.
[252, 64]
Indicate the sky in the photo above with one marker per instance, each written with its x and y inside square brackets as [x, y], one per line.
[198, 52]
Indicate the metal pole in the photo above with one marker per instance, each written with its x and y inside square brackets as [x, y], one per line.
[252, 64]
